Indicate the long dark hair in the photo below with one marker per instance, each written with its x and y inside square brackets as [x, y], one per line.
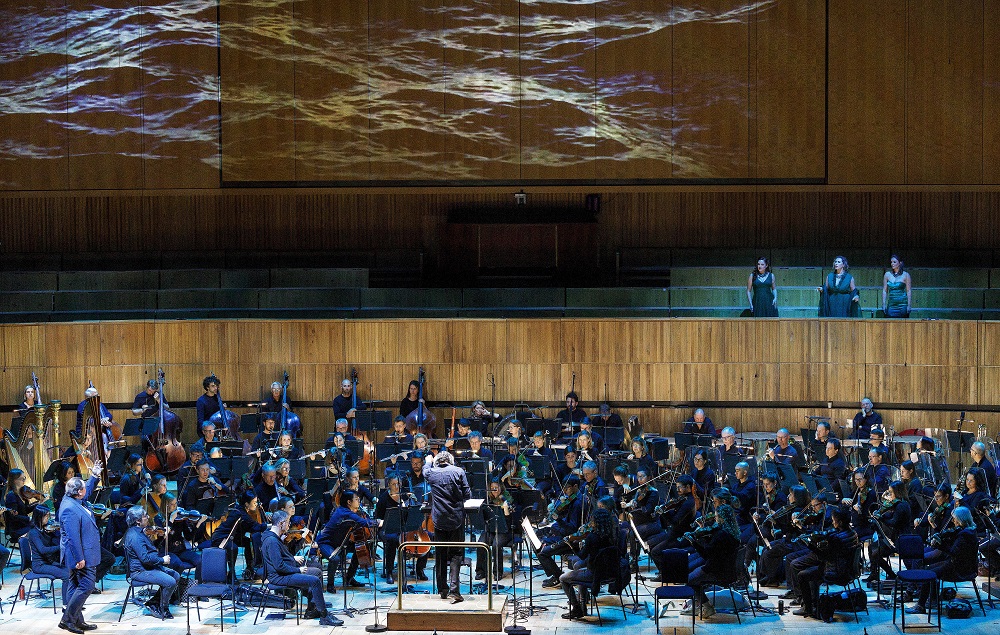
[605, 525]
[414, 383]
[767, 266]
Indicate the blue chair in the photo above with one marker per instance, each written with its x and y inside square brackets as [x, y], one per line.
[675, 575]
[24, 545]
[911, 550]
[214, 584]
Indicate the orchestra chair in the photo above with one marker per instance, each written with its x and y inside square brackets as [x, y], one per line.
[131, 588]
[24, 546]
[606, 568]
[911, 549]
[675, 575]
[214, 584]
[732, 579]
[850, 579]
[266, 585]
[975, 587]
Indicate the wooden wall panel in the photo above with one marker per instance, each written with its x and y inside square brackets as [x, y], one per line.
[317, 342]
[922, 384]
[921, 343]
[866, 96]
[331, 90]
[35, 72]
[256, 66]
[180, 99]
[788, 90]
[821, 381]
[821, 341]
[557, 91]
[710, 80]
[991, 92]
[533, 341]
[634, 89]
[944, 92]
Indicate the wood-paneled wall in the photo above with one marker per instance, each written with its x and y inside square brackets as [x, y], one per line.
[801, 362]
[311, 220]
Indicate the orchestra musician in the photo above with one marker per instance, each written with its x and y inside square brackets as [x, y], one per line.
[152, 502]
[892, 519]
[585, 447]
[771, 571]
[569, 465]
[147, 402]
[267, 438]
[878, 473]
[513, 472]
[640, 455]
[500, 503]
[338, 457]
[676, 516]
[20, 501]
[832, 465]
[865, 420]
[641, 503]
[412, 400]
[975, 494]
[813, 520]
[146, 565]
[829, 558]
[937, 514]
[702, 473]
[954, 556]
[863, 501]
[208, 404]
[343, 404]
[203, 486]
[44, 540]
[784, 452]
[824, 433]
[183, 534]
[333, 540]
[699, 424]
[343, 426]
[106, 418]
[596, 441]
[593, 486]
[604, 533]
[352, 481]
[623, 483]
[911, 483]
[285, 484]
[516, 432]
[416, 484]
[464, 427]
[572, 413]
[64, 472]
[744, 490]
[513, 450]
[729, 447]
[30, 399]
[717, 545]
[980, 460]
[399, 433]
[565, 517]
[609, 419]
[876, 440]
[267, 488]
[286, 570]
[773, 500]
[242, 528]
[273, 402]
[134, 483]
[477, 450]
[390, 498]
[286, 448]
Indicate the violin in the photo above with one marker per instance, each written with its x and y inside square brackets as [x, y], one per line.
[944, 536]
[154, 533]
[558, 507]
[669, 506]
[29, 494]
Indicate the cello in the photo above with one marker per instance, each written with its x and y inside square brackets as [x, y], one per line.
[167, 453]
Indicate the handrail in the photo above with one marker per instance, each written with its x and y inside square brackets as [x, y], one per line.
[400, 563]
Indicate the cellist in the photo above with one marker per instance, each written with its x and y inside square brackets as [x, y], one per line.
[334, 538]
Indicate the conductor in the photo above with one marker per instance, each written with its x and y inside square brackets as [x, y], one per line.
[449, 489]
[81, 550]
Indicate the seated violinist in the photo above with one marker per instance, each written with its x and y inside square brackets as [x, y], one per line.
[514, 473]
[570, 464]
[45, 551]
[717, 545]
[513, 450]
[497, 533]
[878, 472]
[640, 455]
[675, 516]
[290, 571]
[152, 502]
[242, 528]
[641, 503]
[184, 531]
[892, 519]
[829, 558]
[954, 556]
[334, 541]
[566, 516]
[147, 565]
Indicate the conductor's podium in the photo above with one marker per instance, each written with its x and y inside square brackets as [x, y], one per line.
[429, 613]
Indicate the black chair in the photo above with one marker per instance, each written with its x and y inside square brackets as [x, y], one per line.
[911, 550]
[606, 568]
[736, 574]
[851, 578]
[214, 584]
[27, 574]
[675, 575]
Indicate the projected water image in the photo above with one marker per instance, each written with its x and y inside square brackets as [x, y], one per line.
[444, 90]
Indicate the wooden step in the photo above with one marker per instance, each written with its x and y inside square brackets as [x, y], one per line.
[429, 613]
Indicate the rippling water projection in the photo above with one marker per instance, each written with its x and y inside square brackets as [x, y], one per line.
[438, 90]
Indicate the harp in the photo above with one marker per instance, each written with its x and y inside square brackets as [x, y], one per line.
[92, 419]
[31, 451]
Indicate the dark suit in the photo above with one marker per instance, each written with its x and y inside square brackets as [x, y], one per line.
[80, 541]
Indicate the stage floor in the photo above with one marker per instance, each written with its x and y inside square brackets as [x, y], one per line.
[37, 618]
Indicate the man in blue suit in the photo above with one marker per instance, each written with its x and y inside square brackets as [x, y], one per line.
[81, 550]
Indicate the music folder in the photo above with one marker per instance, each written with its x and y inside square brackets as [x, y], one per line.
[473, 504]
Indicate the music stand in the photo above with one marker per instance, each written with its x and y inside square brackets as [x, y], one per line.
[250, 424]
[224, 468]
[539, 465]
[643, 546]
[810, 483]
[534, 546]
[495, 521]
[356, 447]
[51, 473]
[478, 483]
[729, 462]
[527, 499]
[15, 426]
[613, 437]
[373, 420]
[659, 449]
[141, 427]
[298, 470]
[116, 460]
[461, 443]
[962, 442]
[786, 475]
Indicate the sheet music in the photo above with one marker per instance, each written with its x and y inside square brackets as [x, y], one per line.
[473, 504]
[529, 532]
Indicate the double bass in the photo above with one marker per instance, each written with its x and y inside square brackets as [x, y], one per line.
[289, 420]
[225, 419]
[167, 453]
[421, 420]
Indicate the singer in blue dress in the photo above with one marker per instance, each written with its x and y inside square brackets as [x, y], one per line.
[896, 290]
[838, 296]
[762, 292]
